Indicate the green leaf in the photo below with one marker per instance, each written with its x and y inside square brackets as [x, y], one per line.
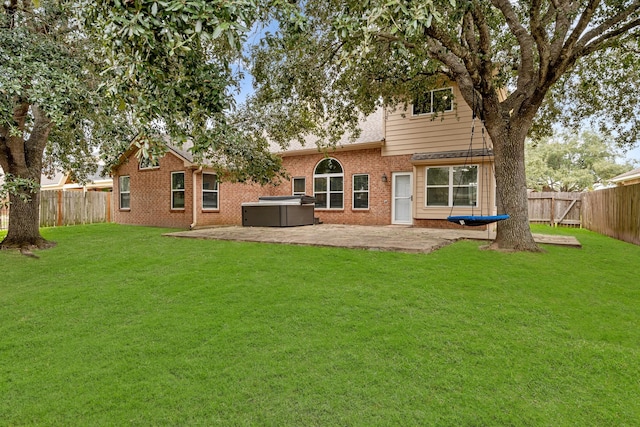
[219, 29]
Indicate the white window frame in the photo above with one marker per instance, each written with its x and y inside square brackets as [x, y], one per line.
[216, 190]
[329, 192]
[178, 190]
[121, 192]
[146, 163]
[293, 185]
[431, 93]
[355, 190]
[451, 186]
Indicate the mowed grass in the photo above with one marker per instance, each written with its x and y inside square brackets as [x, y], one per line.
[118, 325]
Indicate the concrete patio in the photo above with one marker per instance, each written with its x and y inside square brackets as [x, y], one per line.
[382, 238]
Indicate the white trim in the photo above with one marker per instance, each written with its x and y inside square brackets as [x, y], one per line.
[328, 192]
[413, 114]
[120, 192]
[451, 186]
[394, 177]
[154, 164]
[313, 148]
[183, 190]
[293, 185]
[354, 191]
[628, 176]
[216, 191]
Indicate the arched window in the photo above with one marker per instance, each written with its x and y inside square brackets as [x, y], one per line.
[328, 185]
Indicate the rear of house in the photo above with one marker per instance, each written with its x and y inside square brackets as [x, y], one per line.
[410, 167]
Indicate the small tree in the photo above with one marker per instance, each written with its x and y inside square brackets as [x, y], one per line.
[568, 162]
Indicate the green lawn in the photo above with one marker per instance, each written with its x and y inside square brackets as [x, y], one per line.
[120, 326]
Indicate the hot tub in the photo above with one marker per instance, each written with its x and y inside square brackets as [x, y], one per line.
[279, 211]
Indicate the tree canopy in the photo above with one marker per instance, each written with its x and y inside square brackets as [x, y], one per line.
[76, 74]
[570, 162]
[521, 65]
[81, 76]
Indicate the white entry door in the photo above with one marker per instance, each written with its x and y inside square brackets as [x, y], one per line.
[402, 206]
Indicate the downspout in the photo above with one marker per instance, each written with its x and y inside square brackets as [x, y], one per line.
[194, 205]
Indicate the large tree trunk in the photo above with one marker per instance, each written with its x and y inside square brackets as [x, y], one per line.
[508, 139]
[22, 158]
[24, 222]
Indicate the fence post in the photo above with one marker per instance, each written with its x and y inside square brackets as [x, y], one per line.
[60, 209]
[108, 207]
[552, 223]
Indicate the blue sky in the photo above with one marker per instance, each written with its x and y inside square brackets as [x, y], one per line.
[634, 156]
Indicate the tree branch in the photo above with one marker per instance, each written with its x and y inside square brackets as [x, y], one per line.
[602, 42]
[539, 36]
[483, 28]
[391, 38]
[468, 33]
[563, 24]
[584, 20]
[599, 31]
[39, 135]
[450, 44]
[525, 41]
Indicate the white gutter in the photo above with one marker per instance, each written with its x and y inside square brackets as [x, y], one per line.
[194, 214]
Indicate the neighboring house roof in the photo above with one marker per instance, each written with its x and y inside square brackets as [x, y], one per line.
[627, 176]
[54, 182]
[62, 181]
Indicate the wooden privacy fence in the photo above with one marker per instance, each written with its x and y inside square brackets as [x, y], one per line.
[556, 208]
[614, 212]
[74, 207]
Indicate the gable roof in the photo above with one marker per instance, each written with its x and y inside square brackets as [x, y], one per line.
[372, 135]
[181, 153]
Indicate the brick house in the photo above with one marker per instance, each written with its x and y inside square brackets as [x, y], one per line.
[408, 167]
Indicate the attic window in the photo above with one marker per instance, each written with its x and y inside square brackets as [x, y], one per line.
[435, 101]
[148, 163]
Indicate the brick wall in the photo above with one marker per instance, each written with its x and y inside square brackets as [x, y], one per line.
[151, 192]
[232, 195]
[230, 199]
[368, 162]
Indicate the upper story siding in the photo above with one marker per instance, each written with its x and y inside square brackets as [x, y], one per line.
[448, 131]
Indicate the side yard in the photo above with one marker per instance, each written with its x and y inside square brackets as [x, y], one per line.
[118, 325]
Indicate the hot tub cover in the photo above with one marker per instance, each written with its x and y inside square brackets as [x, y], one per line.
[302, 199]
